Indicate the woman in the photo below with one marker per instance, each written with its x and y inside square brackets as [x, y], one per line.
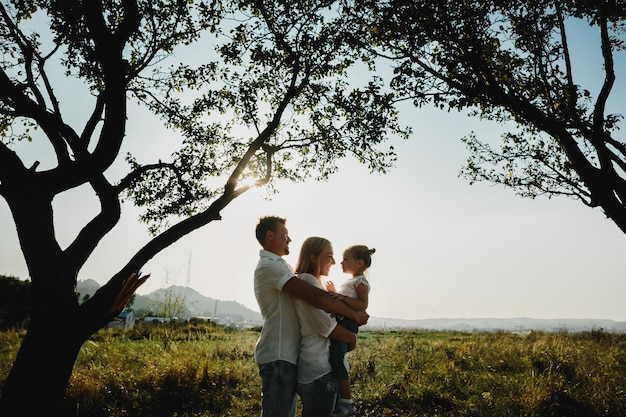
[316, 385]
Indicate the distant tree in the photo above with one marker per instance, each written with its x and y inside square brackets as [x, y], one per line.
[512, 62]
[15, 302]
[172, 306]
[272, 101]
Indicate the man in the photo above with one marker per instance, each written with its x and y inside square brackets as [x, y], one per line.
[275, 284]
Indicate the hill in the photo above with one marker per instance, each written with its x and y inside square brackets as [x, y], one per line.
[195, 304]
[86, 288]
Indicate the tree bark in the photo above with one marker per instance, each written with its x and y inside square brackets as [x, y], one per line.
[39, 377]
[37, 383]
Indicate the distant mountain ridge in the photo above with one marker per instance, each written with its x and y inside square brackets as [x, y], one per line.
[200, 305]
[517, 324]
[196, 304]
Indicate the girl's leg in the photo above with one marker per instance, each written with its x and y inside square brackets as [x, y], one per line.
[344, 389]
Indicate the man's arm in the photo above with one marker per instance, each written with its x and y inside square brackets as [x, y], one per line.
[321, 299]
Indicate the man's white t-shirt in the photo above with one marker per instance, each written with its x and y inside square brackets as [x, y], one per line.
[280, 336]
[315, 327]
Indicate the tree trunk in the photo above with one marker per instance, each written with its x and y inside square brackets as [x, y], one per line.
[59, 326]
[38, 380]
[37, 383]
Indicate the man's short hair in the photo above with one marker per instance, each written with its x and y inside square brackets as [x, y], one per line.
[267, 224]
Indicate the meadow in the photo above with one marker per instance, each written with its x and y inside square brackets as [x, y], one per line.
[201, 370]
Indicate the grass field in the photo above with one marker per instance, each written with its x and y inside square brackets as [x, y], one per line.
[208, 371]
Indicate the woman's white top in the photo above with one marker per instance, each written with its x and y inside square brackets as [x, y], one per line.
[315, 327]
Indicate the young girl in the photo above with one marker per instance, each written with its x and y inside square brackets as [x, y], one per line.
[354, 292]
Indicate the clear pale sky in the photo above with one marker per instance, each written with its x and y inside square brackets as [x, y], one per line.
[443, 248]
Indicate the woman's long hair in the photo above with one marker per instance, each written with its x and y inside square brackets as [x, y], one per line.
[312, 246]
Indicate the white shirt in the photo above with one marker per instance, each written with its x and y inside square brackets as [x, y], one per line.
[348, 288]
[280, 336]
[315, 327]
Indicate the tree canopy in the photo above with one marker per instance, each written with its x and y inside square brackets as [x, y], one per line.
[517, 63]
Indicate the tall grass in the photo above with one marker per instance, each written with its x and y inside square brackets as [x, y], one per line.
[208, 371]
[495, 375]
[205, 371]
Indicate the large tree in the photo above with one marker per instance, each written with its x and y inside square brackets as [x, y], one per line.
[274, 101]
[518, 63]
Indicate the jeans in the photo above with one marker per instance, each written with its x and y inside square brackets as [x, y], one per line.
[339, 349]
[278, 389]
[318, 397]
[338, 359]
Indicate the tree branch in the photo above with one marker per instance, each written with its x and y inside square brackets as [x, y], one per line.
[137, 173]
[109, 301]
[571, 87]
[609, 73]
[92, 233]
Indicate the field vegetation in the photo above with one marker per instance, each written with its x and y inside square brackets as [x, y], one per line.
[210, 371]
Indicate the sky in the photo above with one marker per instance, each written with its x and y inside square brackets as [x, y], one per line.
[444, 248]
